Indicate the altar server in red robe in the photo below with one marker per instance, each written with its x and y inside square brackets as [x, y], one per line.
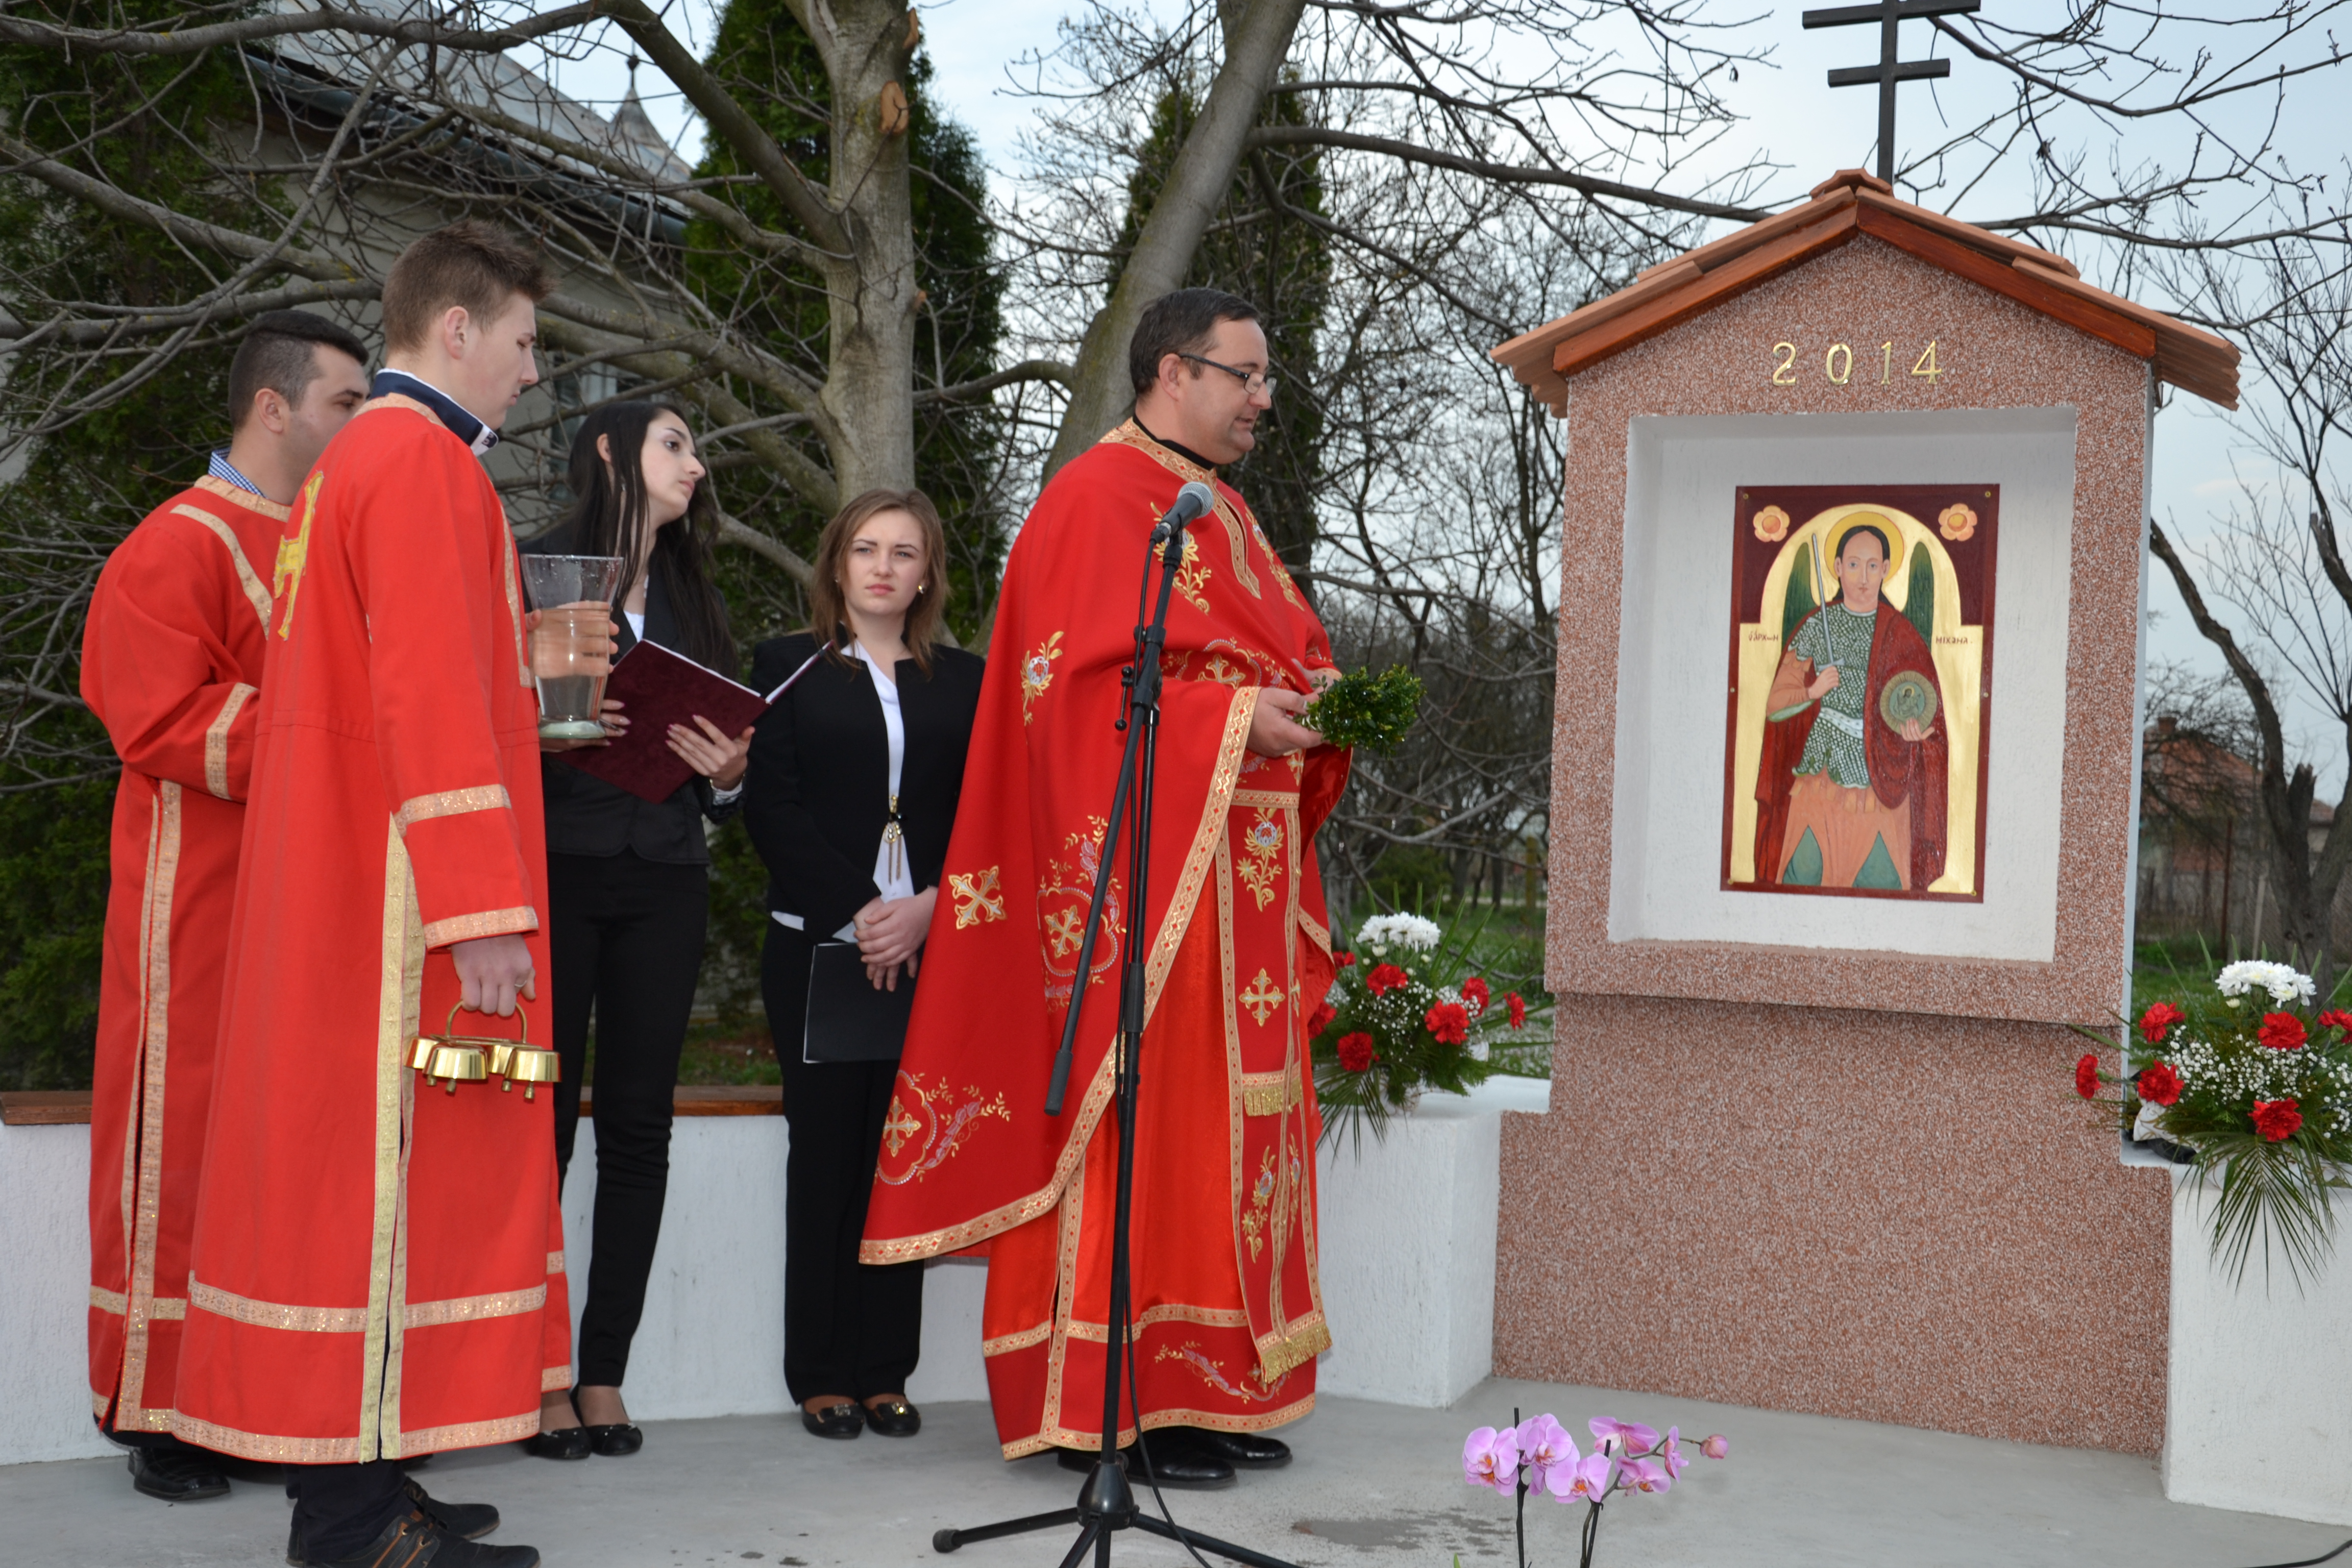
[377, 1270]
[1226, 1300]
[171, 662]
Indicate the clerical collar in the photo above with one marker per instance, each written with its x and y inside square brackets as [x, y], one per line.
[451, 412]
[1186, 453]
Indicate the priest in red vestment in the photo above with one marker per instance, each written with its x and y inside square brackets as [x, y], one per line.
[1226, 1301]
[377, 1271]
[171, 662]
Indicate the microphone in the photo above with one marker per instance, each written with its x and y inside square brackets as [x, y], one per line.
[1194, 501]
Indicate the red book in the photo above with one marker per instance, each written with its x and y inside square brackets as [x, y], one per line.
[658, 688]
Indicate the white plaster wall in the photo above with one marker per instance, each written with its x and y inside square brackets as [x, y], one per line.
[1407, 1231]
[2259, 1407]
[712, 1340]
[1405, 1234]
[44, 1296]
[1666, 871]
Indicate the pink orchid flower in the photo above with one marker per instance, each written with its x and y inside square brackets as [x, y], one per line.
[1644, 1476]
[1670, 1453]
[1543, 1444]
[1491, 1459]
[1717, 1447]
[1587, 1479]
[1627, 1436]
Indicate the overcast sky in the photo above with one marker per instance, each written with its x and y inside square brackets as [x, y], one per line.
[1803, 126]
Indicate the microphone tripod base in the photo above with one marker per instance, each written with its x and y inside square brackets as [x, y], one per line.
[1105, 1505]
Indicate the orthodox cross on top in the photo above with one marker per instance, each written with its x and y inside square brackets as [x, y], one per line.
[1889, 14]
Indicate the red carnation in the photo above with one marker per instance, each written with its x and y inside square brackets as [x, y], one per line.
[2281, 1032]
[1449, 1023]
[2336, 1018]
[1343, 959]
[1385, 978]
[2158, 1019]
[1320, 1019]
[1475, 992]
[2158, 1084]
[2276, 1120]
[1356, 1051]
[1518, 1007]
[2086, 1076]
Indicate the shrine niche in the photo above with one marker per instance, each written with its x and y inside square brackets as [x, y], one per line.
[1813, 961]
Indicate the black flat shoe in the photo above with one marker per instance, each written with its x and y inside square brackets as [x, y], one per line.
[615, 1441]
[1174, 1462]
[1250, 1450]
[844, 1420]
[471, 1521]
[563, 1443]
[177, 1474]
[410, 1542]
[893, 1417]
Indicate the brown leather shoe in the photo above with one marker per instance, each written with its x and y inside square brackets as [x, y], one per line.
[409, 1542]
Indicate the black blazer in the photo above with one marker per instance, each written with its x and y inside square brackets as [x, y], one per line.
[819, 790]
[585, 816]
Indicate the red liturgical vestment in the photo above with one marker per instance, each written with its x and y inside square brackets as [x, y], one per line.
[171, 662]
[1227, 1306]
[377, 1269]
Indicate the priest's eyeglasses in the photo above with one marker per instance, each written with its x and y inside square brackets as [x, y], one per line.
[1253, 380]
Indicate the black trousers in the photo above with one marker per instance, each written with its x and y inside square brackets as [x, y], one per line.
[625, 935]
[339, 1509]
[849, 1327]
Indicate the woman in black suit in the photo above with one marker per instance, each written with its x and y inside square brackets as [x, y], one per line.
[854, 774]
[629, 888]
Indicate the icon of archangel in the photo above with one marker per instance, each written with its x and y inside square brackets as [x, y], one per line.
[1860, 648]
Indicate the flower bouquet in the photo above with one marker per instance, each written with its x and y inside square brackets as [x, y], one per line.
[2253, 1090]
[1402, 1017]
[1538, 1456]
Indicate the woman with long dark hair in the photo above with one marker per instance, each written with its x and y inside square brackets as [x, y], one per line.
[856, 773]
[629, 888]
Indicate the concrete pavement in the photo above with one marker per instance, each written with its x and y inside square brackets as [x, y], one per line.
[1373, 1485]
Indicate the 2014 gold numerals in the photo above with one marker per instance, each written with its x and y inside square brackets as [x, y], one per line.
[1837, 363]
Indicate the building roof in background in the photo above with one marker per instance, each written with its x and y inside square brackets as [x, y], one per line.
[491, 81]
[1852, 202]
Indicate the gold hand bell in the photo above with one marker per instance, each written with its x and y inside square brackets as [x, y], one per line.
[453, 1058]
[521, 1062]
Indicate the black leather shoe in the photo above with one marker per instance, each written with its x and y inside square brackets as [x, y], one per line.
[471, 1520]
[1250, 1450]
[563, 1443]
[177, 1474]
[409, 1542]
[1174, 1462]
[844, 1420]
[893, 1417]
[615, 1441]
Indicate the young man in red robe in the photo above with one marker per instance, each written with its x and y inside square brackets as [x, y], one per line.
[171, 662]
[1225, 1297]
[378, 1270]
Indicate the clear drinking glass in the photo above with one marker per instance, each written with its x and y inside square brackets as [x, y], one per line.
[572, 647]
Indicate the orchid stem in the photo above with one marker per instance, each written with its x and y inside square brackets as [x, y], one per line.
[1520, 1519]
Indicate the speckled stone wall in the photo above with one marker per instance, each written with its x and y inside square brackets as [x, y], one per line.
[1900, 1215]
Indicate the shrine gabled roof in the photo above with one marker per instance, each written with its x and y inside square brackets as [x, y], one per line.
[1848, 203]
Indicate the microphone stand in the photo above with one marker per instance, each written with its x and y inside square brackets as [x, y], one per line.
[1107, 1503]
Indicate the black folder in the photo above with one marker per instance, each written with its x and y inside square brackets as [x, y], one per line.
[849, 1019]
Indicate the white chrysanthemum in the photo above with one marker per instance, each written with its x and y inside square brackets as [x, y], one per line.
[2283, 982]
[1405, 931]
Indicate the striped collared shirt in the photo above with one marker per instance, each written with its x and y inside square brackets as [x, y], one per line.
[226, 471]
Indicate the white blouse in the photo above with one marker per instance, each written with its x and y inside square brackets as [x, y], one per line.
[892, 874]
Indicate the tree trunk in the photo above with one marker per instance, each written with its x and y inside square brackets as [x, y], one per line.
[876, 292]
[1255, 46]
